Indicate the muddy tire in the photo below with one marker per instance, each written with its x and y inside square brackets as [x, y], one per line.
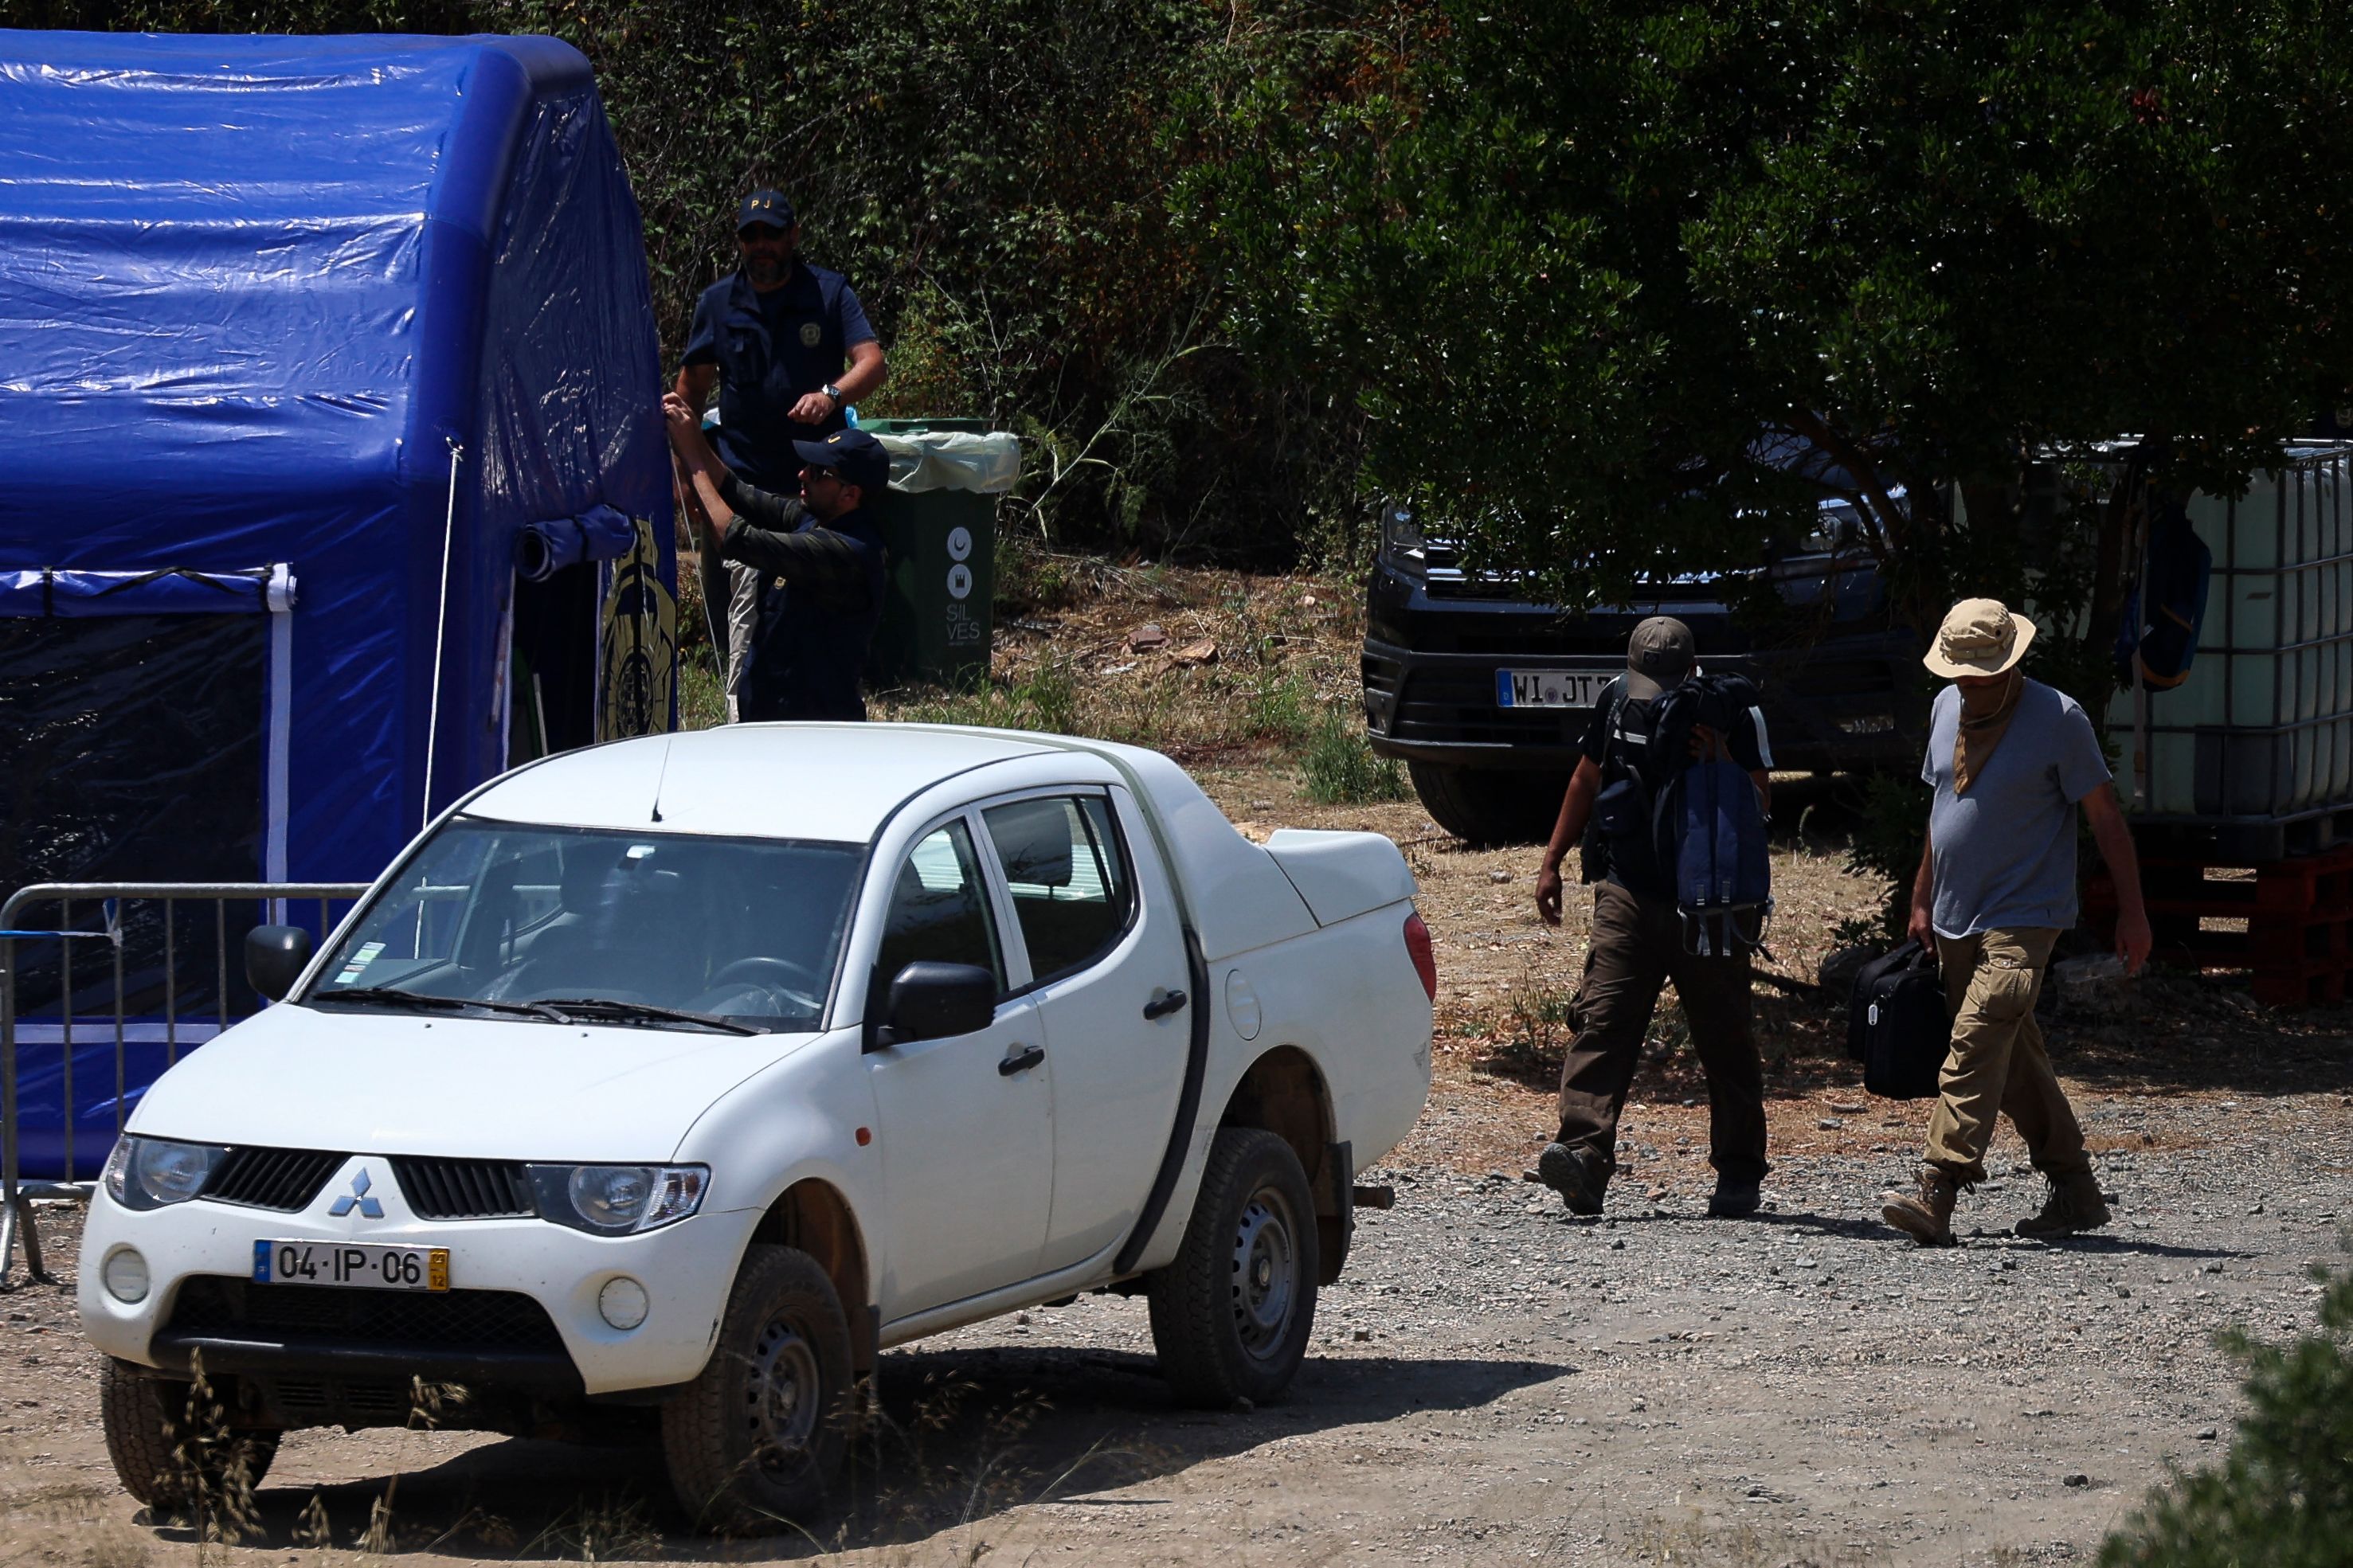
[1232, 1312]
[1490, 806]
[755, 1443]
[162, 1455]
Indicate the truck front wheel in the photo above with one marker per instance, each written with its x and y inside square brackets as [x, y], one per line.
[1231, 1312]
[1490, 806]
[755, 1442]
[172, 1451]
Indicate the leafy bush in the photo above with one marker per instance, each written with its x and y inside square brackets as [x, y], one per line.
[2282, 1498]
[1339, 768]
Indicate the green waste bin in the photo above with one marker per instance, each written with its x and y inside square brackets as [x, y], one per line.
[938, 522]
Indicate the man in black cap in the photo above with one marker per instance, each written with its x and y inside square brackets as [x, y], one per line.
[1637, 941]
[819, 560]
[786, 343]
[774, 336]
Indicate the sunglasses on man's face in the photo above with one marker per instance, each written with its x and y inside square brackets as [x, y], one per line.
[811, 476]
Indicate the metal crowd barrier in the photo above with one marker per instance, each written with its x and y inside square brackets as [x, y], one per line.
[118, 907]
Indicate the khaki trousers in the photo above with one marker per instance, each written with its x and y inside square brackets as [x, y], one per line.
[1996, 1064]
[1637, 947]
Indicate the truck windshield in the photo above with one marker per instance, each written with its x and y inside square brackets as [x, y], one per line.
[743, 930]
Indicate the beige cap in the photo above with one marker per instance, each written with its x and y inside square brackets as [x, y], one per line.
[1659, 656]
[1979, 636]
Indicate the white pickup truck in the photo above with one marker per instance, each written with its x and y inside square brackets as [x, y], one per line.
[671, 1081]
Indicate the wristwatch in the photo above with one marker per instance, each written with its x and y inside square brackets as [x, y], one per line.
[835, 393]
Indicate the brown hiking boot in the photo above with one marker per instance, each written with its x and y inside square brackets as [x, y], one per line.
[1926, 1216]
[2074, 1203]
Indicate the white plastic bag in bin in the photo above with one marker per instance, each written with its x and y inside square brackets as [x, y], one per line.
[952, 460]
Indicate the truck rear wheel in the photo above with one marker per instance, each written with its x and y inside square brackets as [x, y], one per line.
[1490, 806]
[173, 1459]
[755, 1442]
[1232, 1310]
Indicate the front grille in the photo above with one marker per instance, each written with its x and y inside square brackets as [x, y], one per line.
[282, 1179]
[309, 1402]
[472, 1321]
[464, 1189]
[1527, 636]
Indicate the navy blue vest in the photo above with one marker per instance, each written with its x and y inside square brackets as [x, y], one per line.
[806, 657]
[773, 348]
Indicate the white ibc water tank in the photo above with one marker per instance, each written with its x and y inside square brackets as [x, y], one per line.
[2263, 726]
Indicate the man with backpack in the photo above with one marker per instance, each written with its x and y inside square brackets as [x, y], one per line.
[2009, 760]
[1669, 797]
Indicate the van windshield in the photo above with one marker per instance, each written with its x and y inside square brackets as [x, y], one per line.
[743, 930]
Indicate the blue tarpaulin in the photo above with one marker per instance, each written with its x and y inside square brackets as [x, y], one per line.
[299, 337]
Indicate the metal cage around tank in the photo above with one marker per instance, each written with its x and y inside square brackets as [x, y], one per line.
[2252, 756]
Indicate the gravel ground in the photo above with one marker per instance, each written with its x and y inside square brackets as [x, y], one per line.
[1494, 1382]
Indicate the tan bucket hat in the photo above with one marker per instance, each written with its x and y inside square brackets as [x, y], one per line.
[1979, 636]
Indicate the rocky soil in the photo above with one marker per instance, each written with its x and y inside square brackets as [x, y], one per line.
[1493, 1380]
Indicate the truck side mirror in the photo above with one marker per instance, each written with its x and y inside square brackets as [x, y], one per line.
[931, 1001]
[275, 957]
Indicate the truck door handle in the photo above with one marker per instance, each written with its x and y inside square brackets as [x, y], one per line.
[1021, 1058]
[1162, 1003]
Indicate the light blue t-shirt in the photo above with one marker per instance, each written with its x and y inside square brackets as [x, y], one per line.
[2005, 852]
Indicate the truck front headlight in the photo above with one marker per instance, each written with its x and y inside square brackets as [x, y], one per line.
[1401, 539]
[618, 1200]
[153, 1172]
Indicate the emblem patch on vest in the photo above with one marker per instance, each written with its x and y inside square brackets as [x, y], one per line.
[810, 333]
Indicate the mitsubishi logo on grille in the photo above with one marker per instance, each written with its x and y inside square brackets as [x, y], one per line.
[358, 1198]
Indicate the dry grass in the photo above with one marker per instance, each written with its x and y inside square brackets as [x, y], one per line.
[1285, 658]
[1695, 1539]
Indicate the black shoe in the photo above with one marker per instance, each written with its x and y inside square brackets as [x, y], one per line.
[1735, 1200]
[1579, 1175]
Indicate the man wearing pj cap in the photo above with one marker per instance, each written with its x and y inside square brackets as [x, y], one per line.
[786, 345]
[817, 560]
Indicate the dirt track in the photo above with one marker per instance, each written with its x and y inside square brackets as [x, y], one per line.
[1495, 1382]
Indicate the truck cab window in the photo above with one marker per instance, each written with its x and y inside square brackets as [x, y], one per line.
[939, 909]
[1070, 890]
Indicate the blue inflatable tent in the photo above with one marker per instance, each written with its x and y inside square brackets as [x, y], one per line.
[331, 470]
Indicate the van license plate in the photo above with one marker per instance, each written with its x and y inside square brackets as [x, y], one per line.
[372, 1265]
[1547, 688]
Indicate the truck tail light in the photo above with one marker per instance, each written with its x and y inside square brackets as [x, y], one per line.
[1425, 962]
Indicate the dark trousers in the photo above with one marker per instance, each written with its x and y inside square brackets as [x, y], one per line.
[1637, 948]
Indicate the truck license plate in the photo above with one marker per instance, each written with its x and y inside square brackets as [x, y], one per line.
[1547, 688]
[369, 1264]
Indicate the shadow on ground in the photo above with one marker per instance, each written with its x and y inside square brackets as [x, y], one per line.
[963, 1436]
[1852, 1227]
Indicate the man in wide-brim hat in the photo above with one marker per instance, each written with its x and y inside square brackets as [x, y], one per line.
[2011, 760]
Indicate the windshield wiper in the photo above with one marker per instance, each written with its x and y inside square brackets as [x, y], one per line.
[611, 1010]
[430, 1003]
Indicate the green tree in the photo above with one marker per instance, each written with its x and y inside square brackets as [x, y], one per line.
[1583, 251]
[2283, 1496]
